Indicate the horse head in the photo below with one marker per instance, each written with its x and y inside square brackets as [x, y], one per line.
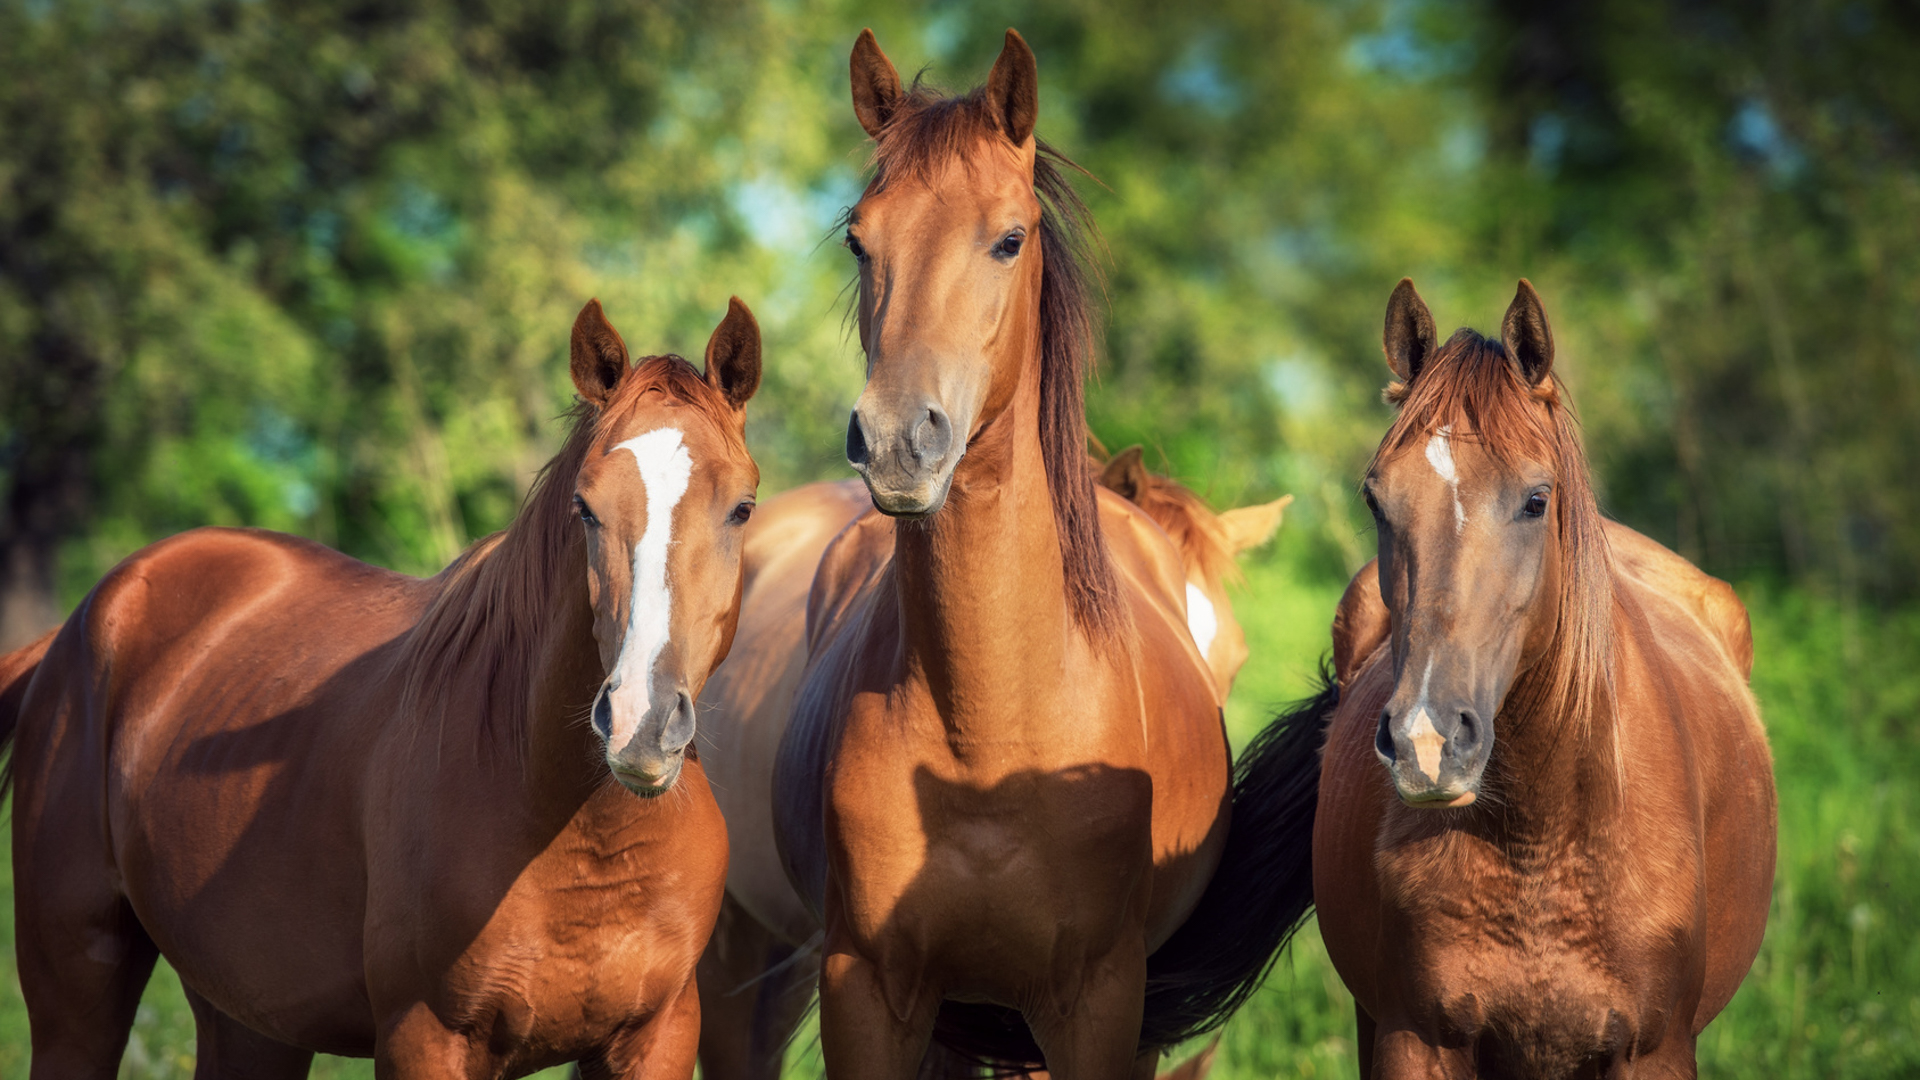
[1487, 527]
[662, 495]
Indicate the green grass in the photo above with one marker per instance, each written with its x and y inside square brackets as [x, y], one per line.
[1836, 988]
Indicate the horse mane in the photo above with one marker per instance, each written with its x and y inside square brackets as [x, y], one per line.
[1471, 385]
[496, 598]
[926, 131]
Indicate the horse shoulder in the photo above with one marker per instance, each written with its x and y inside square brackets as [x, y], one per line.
[1360, 623]
[1346, 825]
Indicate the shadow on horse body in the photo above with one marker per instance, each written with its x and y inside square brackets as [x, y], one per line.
[1005, 782]
[1545, 840]
[369, 814]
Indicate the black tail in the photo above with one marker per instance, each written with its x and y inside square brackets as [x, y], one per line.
[16, 671]
[1258, 897]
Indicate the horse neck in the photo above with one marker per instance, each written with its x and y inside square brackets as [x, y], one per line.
[982, 587]
[535, 724]
[563, 753]
[1560, 775]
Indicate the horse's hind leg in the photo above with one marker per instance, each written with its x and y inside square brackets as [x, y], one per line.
[82, 972]
[226, 1048]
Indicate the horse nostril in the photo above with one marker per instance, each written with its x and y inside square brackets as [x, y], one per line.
[603, 714]
[932, 435]
[856, 440]
[1383, 738]
[680, 725]
[1468, 735]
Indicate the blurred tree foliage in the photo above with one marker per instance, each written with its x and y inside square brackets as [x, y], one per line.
[311, 265]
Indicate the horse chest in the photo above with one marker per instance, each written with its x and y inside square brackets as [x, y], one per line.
[1536, 969]
[966, 866]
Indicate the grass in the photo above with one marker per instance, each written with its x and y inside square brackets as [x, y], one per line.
[1836, 988]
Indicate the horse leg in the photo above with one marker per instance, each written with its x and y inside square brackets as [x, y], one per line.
[84, 961]
[663, 1048]
[1098, 1036]
[1363, 1036]
[862, 1034]
[754, 989]
[226, 1048]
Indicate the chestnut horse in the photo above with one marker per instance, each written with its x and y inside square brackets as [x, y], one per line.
[1208, 544]
[1005, 784]
[757, 976]
[450, 823]
[1545, 838]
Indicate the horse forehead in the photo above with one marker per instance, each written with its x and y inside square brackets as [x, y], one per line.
[956, 195]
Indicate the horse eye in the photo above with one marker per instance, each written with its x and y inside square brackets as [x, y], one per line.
[741, 513]
[1009, 245]
[586, 513]
[1372, 506]
[1536, 505]
[853, 245]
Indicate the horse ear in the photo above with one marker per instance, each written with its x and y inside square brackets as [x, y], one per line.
[599, 357]
[1013, 90]
[733, 355]
[1248, 527]
[1409, 339]
[1125, 473]
[876, 86]
[1526, 334]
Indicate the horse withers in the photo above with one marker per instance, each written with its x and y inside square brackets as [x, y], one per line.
[454, 824]
[1545, 839]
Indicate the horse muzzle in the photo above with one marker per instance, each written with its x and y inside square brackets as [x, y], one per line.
[1436, 756]
[906, 456]
[654, 755]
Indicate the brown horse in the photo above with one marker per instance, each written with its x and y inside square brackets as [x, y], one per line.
[1545, 838]
[1208, 544]
[449, 823]
[1005, 784]
[757, 975]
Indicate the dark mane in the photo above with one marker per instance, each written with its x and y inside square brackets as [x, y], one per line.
[1471, 386]
[926, 131]
[496, 598]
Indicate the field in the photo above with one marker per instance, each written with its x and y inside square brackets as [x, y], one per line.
[1836, 989]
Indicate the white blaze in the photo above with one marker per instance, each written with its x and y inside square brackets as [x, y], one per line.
[1427, 740]
[1440, 456]
[665, 467]
[1202, 622]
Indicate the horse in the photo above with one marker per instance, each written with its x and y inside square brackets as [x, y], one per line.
[757, 975]
[450, 823]
[1004, 790]
[1546, 827]
[1208, 543]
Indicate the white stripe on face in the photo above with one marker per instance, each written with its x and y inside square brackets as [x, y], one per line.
[1202, 623]
[1440, 456]
[665, 467]
[1427, 740]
